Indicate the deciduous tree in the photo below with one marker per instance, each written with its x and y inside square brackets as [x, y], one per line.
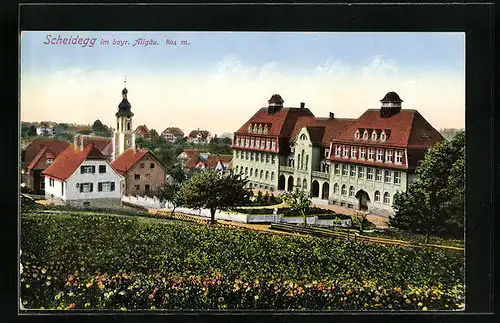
[215, 191]
[299, 201]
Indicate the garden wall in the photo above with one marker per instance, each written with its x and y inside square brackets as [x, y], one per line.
[155, 203]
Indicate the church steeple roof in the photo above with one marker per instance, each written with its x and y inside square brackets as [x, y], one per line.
[124, 107]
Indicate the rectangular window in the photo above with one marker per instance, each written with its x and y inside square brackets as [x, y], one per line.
[337, 169]
[257, 143]
[104, 187]
[141, 165]
[86, 187]
[146, 188]
[152, 165]
[361, 172]
[337, 151]
[370, 153]
[273, 161]
[252, 142]
[399, 157]
[147, 175]
[345, 152]
[87, 169]
[380, 155]
[137, 176]
[102, 169]
[273, 147]
[388, 155]
[252, 156]
[354, 151]
[387, 177]
[378, 175]
[369, 173]
[353, 171]
[362, 153]
[137, 187]
[345, 170]
[268, 144]
[327, 153]
[267, 158]
[247, 142]
[51, 182]
[262, 144]
[397, 177]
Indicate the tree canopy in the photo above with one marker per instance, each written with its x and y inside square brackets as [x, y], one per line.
[299, 201]
[434, 203]
[214, 191]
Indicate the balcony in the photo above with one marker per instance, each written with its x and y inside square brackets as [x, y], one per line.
[320, 174]
[286, 169]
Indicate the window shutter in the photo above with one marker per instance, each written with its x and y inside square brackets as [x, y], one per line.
[93, 169]
[81, 170]
[99, 187]
[112, 186]
[92, 186]
[81, 188]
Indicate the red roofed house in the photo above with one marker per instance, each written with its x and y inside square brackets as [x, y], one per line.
[199, 136]
[36, 157]
[213, 162]
[142, 170]
[356, 163]
[83, 177]
[141, 131]
[171, 134]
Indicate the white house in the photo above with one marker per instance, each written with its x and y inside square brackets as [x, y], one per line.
[83, 177]
[46, 129]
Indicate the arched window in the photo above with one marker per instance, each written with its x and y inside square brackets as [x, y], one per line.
[365, 135]
[336, 188]
[374, 135]
[307, 160]
[302, 160]
[246, 170]
[261, 173]
[304, 184]
[128, 125]
[251, 171]
[117, 125]
[344, 190]
[237, 167]
[303, 137]
[267, 174]
[382, 136]
[351, 191]
[298, 161]
[387, 198]
[356, 134]
[272, 176]
[298, 183]
[377, 196]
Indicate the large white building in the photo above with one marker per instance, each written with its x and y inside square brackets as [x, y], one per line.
[355, 163]
[83, 177]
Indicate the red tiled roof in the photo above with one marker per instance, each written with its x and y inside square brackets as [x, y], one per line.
[70, 159]
[141, 130]
[128, 159]
[103, 144]
[45, 152]
[56, 146]
[282, 121]
[407, 129]
[174, 131]
[194, 133]
[331, 128]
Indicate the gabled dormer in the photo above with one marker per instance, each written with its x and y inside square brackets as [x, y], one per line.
[366, 135]
[357, 134]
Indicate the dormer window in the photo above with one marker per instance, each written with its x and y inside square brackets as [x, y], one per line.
[255, 128]
[365, 135]
[50, 160]
[265, 129]
[260, 128]
[382, 136]
[374, 135]
[250, 128]
[356, 134]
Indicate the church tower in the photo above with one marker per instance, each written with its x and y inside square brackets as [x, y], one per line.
[123, 136]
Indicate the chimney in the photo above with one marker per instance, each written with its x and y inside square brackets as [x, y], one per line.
[302, 105]
[332, 116]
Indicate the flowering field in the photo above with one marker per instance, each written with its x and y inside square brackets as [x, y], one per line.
[110, 262]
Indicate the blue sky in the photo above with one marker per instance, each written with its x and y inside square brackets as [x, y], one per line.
[393, 58]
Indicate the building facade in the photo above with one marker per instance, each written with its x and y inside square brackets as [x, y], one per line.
[83, 177]
[142, 170]
[172, 134]
[356, 163]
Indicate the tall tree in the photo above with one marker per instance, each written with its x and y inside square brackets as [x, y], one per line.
[434, 202]
[214, 191]
[299, 201]
[170, 191]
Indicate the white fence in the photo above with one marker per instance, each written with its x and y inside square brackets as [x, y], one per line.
[155, 203]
